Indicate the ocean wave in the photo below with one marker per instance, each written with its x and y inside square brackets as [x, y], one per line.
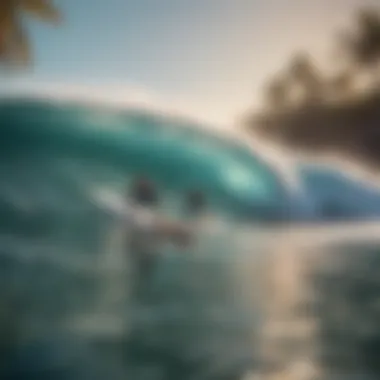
[139, 143]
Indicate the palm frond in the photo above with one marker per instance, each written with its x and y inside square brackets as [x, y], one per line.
[8, 22]
[42, 9]
[7, 19]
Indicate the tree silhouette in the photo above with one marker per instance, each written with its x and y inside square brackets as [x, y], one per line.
[14, 41]
[305, 77]
[337, 113]
[277, 94]
[363, 45]
[342, 86]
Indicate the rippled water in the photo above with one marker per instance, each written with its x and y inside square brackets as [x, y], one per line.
[70, 309]
[236, 303]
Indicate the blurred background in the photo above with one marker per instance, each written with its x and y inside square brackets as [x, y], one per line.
[269, 110]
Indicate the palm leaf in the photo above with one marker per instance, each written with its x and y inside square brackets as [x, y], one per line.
[8, 22]
[42, 9]
[14, 43]
[7, 19]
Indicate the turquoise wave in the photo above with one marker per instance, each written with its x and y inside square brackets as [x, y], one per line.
[177, 155]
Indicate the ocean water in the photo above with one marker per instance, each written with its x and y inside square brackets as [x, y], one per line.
[65, 286]
[235, 305]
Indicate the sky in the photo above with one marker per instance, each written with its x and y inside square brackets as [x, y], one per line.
[208, 58]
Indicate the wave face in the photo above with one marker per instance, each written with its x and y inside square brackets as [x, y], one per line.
[109, 145]
[57, 253]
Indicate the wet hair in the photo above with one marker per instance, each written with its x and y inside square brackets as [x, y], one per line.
[144, 192]
[195, 201]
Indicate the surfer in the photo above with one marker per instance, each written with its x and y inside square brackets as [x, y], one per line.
[144, 199]
[144, 228]
[149, 232]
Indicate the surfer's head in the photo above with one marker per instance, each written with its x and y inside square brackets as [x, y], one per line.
[195, 201]
[144, 192]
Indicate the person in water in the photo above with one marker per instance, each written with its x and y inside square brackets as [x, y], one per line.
[143, 192]
[150, 231]
[144, 198]
[144, 228]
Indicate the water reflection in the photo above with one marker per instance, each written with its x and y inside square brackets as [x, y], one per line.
[290, 304]
[321, 305]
